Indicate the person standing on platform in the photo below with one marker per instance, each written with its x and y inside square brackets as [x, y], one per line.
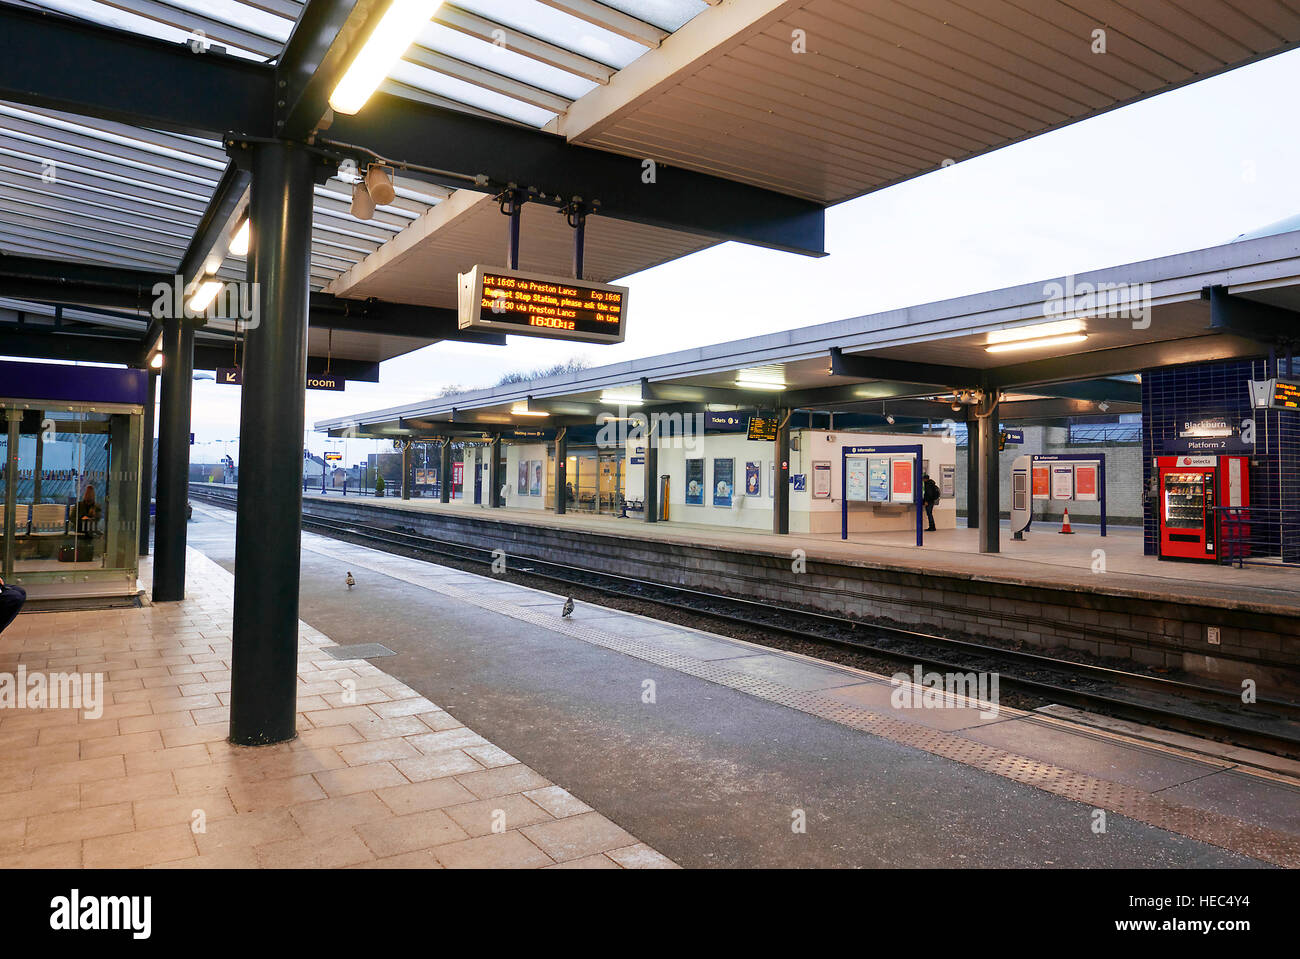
[929, 496]
[11, 602]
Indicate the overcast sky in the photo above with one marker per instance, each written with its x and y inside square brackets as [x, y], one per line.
[1189, 169]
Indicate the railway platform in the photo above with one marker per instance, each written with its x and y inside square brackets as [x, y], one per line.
[1095, 595]
[710, 749]
[379, 776]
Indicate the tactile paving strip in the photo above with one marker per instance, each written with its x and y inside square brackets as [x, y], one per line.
[1227, 832]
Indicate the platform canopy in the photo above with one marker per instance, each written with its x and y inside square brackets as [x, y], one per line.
[676, 123]
[1236, 301]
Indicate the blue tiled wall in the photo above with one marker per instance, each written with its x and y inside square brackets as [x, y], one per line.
[1170, 396]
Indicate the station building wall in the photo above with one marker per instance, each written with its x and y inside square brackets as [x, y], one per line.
[808, 514]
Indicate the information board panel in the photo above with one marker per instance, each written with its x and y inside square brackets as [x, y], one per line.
[878, 479]
[900, 472]
[1085, 481]
[855, 480]
[763, 428]
[1286, 395]
[1042, 482]
[821, 480]
[535, 304]
[1062, 482]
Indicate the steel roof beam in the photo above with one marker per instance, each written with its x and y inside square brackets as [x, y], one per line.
[1261, 322]
[866, 367]
[75, 66]
[327, 36]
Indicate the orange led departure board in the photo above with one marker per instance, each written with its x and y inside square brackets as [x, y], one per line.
[532, 304]
[1286, 395]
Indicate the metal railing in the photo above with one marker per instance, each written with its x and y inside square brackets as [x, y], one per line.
[1258, 536]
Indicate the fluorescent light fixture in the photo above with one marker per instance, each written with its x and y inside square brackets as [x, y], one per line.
[621, 399]
[399, 26]
[1059, 328]
[1037, 344]
[523, 410]
[758, 385]
[204, 295]
[771, 378]
[239, 241]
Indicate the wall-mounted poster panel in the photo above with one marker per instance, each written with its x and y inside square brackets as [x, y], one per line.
[822, 480]
[535, 487]
[1085, 481]
[695, 482]
[1042, 482]
[855, 479]
[522, 487]
[753, 479]
[900, 471]
[948, 480]
[878, 479]
[1063, 482]
[724, 481]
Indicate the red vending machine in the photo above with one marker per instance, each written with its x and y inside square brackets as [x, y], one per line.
[1190, 489]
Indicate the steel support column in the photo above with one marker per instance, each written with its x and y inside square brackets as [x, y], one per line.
[561, 472]
[781, 491]
[989, 493]
[444, 472]
[650, 498]
[494, 472]
[173, 461]
[406, 471]
[146, 462]
[972, 470]
[268, 531]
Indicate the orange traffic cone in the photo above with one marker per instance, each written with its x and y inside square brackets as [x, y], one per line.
[1065, 523]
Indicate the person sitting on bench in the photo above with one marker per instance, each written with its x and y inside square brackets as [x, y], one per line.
[11, 602]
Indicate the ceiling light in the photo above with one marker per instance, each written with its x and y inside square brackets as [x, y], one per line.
[616, 399]
[363, 207]
[889, 418]
[379, 181]
[239, 241]
[760, 385]
[1103, 406]
[401, 22]
[1037, 344]
[156, 361]
[523, 410]
[204, 295]
[956, 407]
[1036, 332]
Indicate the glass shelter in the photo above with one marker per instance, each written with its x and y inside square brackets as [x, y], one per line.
[70, 491]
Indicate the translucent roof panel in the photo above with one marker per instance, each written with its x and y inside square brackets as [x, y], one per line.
[243, 29]
[499, 58]
[469, 94]
[545, 23]
[665, 14]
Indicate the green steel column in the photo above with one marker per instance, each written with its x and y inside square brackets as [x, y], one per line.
[268, 531]
[972, 470]
[989, 504]
[781, 491]
[561, 469]
[444, 472]
[146, 463]
[650, 495]
[173, 461]
[494, 471]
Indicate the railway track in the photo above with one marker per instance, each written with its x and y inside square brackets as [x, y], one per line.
[1269, 725]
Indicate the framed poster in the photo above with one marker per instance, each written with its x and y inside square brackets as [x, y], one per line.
[1042, 489]
[753, 482]
[1085, 481]
[878, 479]
[855, 480]
[822, 480]
[1062, 482]
[948, 480]
[695, 482]
[900, 476]
[522, 486]
[535, 487]
[724, 481]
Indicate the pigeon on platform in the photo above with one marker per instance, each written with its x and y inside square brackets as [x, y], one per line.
[350, 581]
[568, 608]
